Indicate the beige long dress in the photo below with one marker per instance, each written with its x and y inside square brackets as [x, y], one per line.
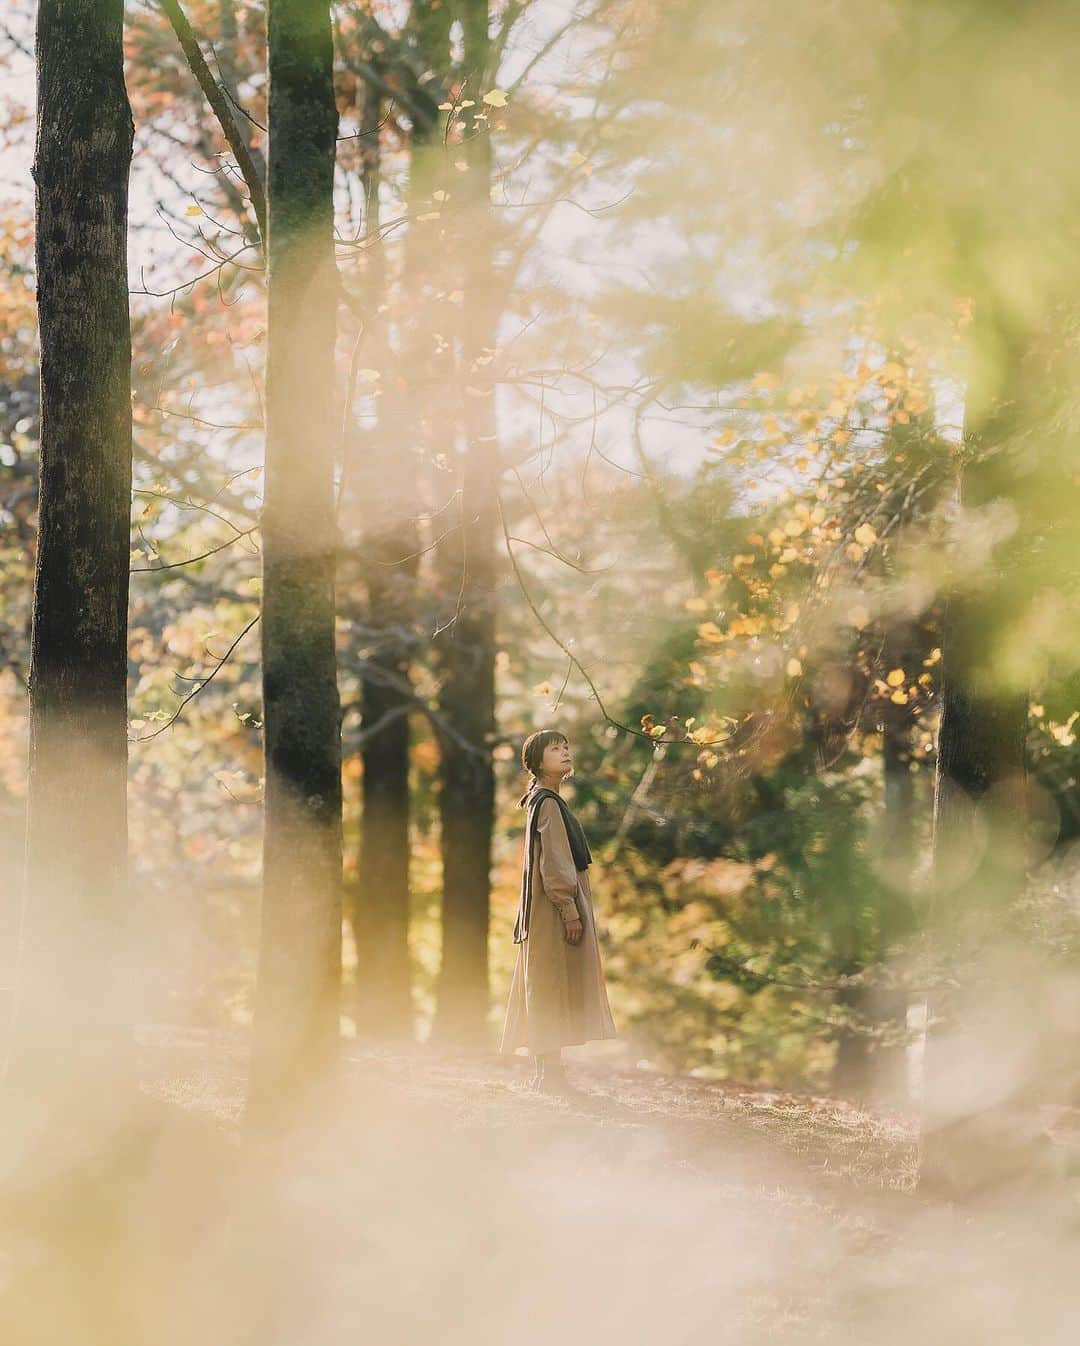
[557, 995]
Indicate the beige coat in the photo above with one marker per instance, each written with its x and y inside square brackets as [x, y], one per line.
[557, 995]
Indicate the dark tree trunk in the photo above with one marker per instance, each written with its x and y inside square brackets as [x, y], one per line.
[388, 505]
[979, 802]
[299, 983]
[381, 916]
[466, 647]
[75, 982]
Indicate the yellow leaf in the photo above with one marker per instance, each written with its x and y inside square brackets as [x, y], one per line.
[895, 678]
[794, 668]
[899, 697]
[495, 98]
[865, 535]
[194, 210]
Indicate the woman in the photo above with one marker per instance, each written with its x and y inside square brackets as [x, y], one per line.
[557, 996]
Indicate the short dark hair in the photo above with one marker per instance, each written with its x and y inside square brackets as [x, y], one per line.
[532, 754]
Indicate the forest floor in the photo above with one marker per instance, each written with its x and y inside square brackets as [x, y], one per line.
[440, 1201]
[687, 1119]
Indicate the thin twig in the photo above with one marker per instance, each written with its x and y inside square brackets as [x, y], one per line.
[143, 738]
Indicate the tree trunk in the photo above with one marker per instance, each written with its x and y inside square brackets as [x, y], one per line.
[299, 982]
[971, 1139]
[466, 646]
[388, 504]
[75, 996]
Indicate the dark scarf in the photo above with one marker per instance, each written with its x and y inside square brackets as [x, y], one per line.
[579, 848]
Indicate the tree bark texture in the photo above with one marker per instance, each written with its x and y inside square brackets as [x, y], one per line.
[74, 999]
[299, 979]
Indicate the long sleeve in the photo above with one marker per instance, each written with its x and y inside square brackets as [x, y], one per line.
[558, 873]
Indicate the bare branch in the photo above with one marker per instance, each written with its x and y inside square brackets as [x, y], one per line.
[145, 738]
[219, 104]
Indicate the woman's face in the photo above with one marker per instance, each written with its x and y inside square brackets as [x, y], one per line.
[556, 761]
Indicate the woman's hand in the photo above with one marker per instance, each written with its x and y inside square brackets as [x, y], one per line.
[574, 931]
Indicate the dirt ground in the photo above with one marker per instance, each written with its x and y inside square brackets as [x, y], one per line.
[433, 1198]
[441, 1200]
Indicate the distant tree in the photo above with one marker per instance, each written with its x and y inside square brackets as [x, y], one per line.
[389, 550]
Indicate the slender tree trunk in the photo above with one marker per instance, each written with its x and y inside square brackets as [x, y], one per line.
[234, 126]
[970, 1135]
[75, 999]
[466, 647]
[387, 504]
[299, 982]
